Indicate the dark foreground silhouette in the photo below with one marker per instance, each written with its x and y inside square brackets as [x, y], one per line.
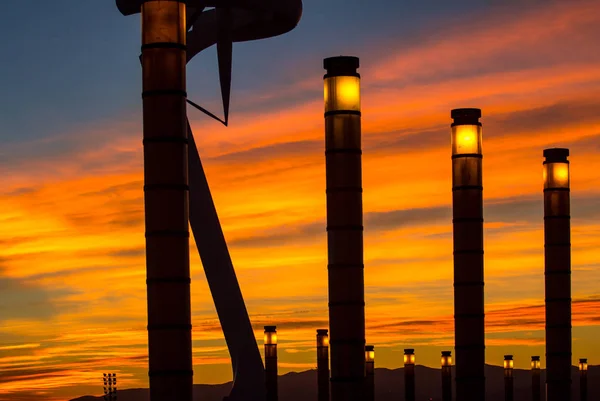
[389, 386]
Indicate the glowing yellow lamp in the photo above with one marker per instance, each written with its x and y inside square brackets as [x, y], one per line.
[409, 356]
[508, 362]
[556, 175]
[342, 85]
[322, 338]
[446, 358]
[370, 353]
[342, 93]
[556, 169]
[535, 362]
[466, 140]
[270, 335]
[583, 364]
[466, 132]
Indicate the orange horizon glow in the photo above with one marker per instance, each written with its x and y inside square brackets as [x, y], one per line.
[71, 225]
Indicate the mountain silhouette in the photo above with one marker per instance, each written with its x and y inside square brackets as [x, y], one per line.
[389, 386]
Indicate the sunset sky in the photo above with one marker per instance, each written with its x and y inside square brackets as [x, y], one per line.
[72, 268]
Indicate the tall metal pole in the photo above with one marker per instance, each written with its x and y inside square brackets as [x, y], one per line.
[166, 199]
[583, 382]
[409, 374]
[557, 242]
[369, 373]
[345, 228]
[322, 365]
[271, 363]
[446, 376]
[467, 201]
[535, 379]
[509, 388]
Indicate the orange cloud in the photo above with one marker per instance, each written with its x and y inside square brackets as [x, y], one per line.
[71, 223]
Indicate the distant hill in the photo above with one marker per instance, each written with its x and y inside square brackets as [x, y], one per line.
[389, 386]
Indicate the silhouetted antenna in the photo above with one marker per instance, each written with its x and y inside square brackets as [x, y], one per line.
[110, 386]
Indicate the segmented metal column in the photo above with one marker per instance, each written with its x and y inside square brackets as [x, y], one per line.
[467, 208]
[322, 365]
[271, 363]
[166, 200]
[370, 373]
[557, 255]
[509, 389]
[446, 376]
[535, 379]
[583, 379]
[344, 228]
[409, 375]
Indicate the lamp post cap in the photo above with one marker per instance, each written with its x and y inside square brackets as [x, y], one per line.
[446, 353]
[408, 351]
[508, 357]
[369, 348]
[130, 7]
[270, 329]
[322, 332]
[583, 360]
[341, 65]
[465, 113]
[535, 358]
[556, 154]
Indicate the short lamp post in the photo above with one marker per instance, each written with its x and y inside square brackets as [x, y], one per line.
[446, 376]
[343, 176]
[370, 373]
[509, 389]
[467, 221]
[583, 382]
[323, 365]
[557, 272]
[110, 386]
[409, 374]
[535, 379]
[271, 362]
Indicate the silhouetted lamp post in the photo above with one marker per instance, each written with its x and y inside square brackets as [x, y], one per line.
[535, 378]
[557, 255]
[446, 376]
[166, 199]
[271, 362]
[409, 374]
[370, 373]
[467, 201]
[344, 228]
[323, 365]
[509, 389]
[583, 382]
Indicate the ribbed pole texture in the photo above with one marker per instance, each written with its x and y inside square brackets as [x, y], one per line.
[467, 210]
[166, 200]
[344, 229]
[557, 255]
[322, 365]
